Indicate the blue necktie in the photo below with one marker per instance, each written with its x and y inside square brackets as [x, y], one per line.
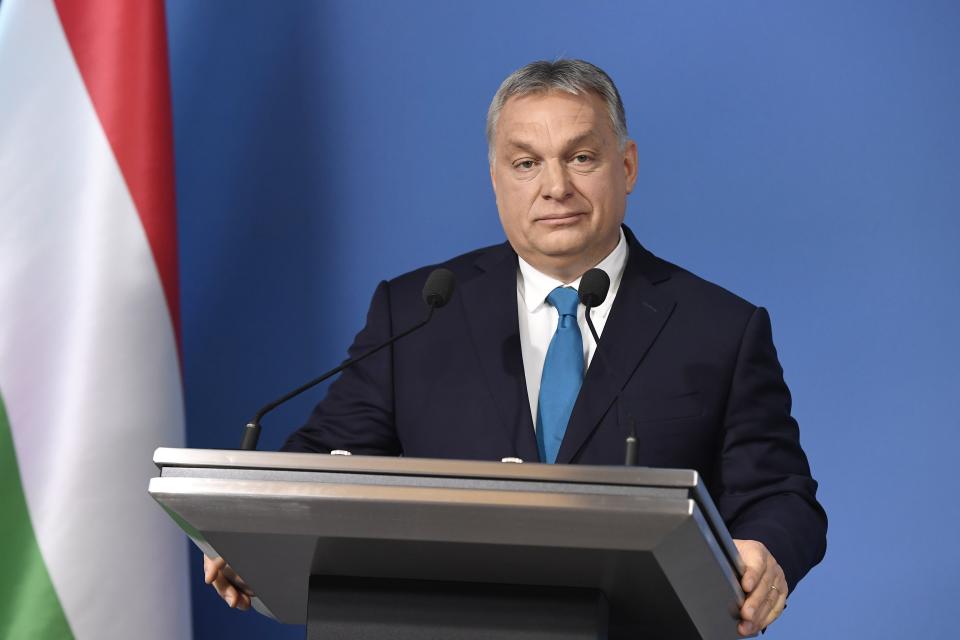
[562, 375]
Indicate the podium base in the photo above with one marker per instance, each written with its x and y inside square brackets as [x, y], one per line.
[385, 609]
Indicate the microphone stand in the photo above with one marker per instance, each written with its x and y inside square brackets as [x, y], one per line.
[251, 433]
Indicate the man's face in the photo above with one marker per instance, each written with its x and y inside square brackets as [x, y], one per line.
[560, 181]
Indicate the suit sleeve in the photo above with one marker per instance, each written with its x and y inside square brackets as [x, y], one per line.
[357, 413]
[768, 493]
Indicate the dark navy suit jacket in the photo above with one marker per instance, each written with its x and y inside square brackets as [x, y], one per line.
[687, 365]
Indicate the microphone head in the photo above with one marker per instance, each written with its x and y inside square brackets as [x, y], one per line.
[593, 287]
[439, 288]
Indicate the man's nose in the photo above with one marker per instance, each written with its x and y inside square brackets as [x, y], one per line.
[556, 182]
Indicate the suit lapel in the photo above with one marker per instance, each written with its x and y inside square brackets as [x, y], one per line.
[490, 304]
[636, 319]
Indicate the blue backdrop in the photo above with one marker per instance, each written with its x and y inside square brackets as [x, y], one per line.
[804, 155]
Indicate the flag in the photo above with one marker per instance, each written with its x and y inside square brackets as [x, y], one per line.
[89, 364]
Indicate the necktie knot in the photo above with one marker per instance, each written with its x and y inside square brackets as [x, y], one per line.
[565, 300]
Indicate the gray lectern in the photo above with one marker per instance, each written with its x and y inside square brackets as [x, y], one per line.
[369, 548]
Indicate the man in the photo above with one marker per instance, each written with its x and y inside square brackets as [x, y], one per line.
[510, 369]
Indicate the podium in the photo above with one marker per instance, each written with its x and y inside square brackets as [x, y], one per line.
[369, 548]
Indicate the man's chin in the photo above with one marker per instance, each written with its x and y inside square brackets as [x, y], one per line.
[560, 249]
[563, 241]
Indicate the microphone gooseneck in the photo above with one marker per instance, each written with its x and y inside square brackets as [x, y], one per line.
[436, 293]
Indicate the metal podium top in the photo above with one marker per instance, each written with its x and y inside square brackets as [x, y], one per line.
[277, 518]
[230, 458]
[277, 465]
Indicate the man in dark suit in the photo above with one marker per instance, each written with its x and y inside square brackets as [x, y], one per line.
[509, 369]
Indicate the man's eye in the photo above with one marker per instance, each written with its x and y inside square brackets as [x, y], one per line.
[582, 158]
[524, 165]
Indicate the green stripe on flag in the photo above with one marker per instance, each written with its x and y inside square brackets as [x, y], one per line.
[29, 607]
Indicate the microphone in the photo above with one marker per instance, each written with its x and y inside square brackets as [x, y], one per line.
[436, 293]
[439, 288]
[594, 285]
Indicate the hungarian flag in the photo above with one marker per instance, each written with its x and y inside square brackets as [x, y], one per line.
[89, 366]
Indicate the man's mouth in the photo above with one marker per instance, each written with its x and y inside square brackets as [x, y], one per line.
[561, 219]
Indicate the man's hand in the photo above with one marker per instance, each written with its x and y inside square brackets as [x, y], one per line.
[228, 584]
[765, 586]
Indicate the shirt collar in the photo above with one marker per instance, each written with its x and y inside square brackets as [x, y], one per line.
[534, 286]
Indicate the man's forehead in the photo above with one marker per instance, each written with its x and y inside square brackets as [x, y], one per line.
[529, 115]
[535, 107]
[528, 140]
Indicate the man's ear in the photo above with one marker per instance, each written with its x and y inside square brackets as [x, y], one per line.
[493, 179]
[630, 164]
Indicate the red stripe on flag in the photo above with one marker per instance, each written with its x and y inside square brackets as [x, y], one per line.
[121, 50]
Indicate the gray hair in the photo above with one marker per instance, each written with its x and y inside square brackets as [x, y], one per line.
[573, 76]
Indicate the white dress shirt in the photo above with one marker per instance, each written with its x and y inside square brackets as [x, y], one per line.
[538, 318]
